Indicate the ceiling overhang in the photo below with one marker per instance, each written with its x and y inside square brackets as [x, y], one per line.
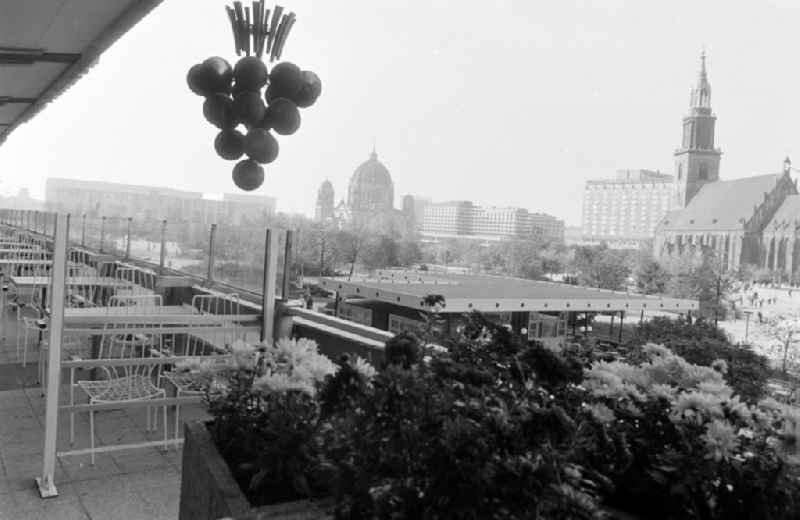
[46, 46]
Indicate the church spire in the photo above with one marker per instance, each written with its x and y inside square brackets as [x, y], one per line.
[701, 94]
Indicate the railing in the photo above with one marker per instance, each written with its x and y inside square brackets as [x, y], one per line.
[222, 257]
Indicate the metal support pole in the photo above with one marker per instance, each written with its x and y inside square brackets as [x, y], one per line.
[746, 326]
[322, 258]
[45, 483]
[611, 327]
[212, 251]
[128, 241]
[287, 264]
[641, 318]
[270, 285]
[102, 233]
[83, 231]
[621, 317]
[163, 255]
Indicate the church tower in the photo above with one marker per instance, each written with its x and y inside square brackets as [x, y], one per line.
[697, 161]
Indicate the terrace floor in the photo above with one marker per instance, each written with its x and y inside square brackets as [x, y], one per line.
[140, 483]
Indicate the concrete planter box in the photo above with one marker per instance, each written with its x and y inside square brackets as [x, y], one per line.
[209, 491]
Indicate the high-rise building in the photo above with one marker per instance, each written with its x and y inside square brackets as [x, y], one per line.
[463, 219]
[627, 207]
[548, 226]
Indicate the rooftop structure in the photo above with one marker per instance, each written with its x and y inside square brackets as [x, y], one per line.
[465, 293]
[51, 48]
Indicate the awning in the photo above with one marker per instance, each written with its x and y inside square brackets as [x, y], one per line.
[47, 45]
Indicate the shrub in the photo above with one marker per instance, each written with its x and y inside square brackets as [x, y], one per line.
[496, 427]
[700, 343]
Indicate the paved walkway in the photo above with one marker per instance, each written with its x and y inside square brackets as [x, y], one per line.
[134, 484]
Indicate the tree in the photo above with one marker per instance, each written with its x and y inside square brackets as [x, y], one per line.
[601, 267]
[785, 328]
[651, 277]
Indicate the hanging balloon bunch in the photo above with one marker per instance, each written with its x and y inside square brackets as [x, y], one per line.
[250, 95]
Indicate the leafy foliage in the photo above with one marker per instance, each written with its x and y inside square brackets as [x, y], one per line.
[496, 427]
[601, 267]
[700, 343]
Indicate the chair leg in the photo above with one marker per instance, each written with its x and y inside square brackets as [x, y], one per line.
[166, 435]
[91, 435]
[177, 421]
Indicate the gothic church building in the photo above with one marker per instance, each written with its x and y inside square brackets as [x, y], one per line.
[754, 220]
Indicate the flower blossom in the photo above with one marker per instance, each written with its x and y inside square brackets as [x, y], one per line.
[720, 440]
[366, 370]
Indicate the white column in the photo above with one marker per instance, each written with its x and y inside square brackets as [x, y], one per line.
[47, 487]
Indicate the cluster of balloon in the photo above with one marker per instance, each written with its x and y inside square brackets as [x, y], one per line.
[249, 95]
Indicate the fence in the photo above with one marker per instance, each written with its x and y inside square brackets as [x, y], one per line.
[228, 254]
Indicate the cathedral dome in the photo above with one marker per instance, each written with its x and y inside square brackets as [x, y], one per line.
[371, 187]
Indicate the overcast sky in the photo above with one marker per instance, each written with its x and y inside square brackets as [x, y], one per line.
[502, 102]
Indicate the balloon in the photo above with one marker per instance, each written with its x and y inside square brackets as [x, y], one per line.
[250, 73]
[248, 174]
[270, 95]
[283, 116]
[248, 108]
[285, 80]
[198, 80]
[229, 144]
[218, 109]
[219, 73]
[261, 146]
[309, 91]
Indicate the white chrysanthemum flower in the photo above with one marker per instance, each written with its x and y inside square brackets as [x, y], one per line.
[366, 370]
[278, 382]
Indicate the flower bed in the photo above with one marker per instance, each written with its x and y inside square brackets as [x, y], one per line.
[497, 428]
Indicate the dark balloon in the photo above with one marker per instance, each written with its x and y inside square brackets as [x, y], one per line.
[248, 108]
[286, 79]
[261, 146]
[219, 74]
[309, 91]
[229, 144]
[250, 73]
[270, 95]
[248, 174]
[198, 80]
[218, 109]
[282, 116]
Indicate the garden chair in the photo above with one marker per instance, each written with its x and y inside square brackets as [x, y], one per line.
[205, 341]
[130, 382]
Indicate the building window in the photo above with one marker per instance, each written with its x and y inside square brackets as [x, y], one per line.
[680, 172]
[703, 175]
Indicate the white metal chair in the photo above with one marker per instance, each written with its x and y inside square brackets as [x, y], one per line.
[131, 381]
[203, 342]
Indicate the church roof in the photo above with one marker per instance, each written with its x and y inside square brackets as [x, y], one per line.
[788, 212]
[721, 205]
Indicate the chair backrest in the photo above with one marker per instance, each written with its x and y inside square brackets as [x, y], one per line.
[220, 336]
[142, 281]
[121, 338]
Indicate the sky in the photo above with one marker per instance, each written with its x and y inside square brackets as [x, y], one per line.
[505, 103]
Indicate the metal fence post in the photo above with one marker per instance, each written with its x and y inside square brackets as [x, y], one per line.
[83, 231]
[287, 263]
[128, 241]
[102, 233]
[45, 483]
[270, 282]
[212, 250]
[163, 255]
